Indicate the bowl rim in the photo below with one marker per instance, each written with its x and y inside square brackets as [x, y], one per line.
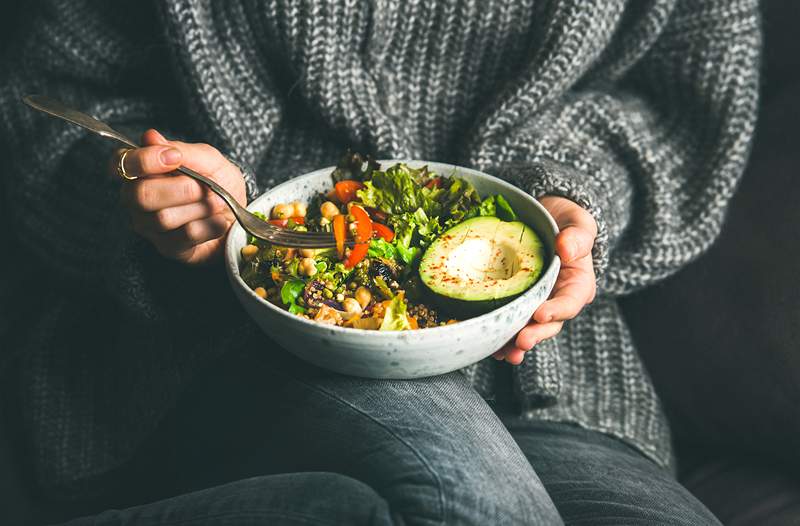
[231, 263]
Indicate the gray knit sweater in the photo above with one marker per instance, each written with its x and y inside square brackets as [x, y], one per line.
[642, 112]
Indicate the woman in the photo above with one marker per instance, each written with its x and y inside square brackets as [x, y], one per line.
[631, 121]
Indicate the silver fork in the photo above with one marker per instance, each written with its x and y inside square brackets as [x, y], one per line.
[253, 224]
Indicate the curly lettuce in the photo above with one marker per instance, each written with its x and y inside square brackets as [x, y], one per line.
[395, 319]
[399, 190]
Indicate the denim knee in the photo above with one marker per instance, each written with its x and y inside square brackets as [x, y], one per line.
[471, 484]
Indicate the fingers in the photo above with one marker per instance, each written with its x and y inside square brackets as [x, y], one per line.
[510, 353]
[155, 193]
[167, 219]
[578, 227]
[574, 242]
[514, 351]
[176, 242]
[568, 213]
[160, 156]
[515, 356]
[152, 160]
[575, 288]
[562, 307]
[197, 156]
[534, 333]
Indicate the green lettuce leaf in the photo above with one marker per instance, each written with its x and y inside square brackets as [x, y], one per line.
[504, 210]
[460, 197]
[252, 240]
[398, 190]
[383, 287]
[413, 232]
[408, 254]
[382, 249]
[395, 317]
[290, 291]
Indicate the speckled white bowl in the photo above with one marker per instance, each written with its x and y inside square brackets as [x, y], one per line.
[406, 354]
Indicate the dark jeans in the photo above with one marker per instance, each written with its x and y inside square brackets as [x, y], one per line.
[281, 443]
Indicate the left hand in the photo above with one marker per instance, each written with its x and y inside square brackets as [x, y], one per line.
[575, 286]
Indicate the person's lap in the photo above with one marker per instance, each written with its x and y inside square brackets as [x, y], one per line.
[281, 442]
[302, 441]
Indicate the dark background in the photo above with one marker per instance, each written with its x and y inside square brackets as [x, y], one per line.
[721, 338]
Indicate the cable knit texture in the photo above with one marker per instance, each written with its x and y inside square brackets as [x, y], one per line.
[640, 111]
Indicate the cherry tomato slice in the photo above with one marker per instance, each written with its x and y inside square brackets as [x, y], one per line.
[284, 222]
[357, 253]
[339, 234]
[363, 224]
[383, 231]
[346, 190]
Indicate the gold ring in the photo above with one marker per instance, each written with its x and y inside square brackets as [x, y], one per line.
[121, 166]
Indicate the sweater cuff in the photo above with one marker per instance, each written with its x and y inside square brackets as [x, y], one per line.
[250, 181]
[555, 179]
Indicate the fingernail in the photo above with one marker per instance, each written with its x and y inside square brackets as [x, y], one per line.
[171, 156]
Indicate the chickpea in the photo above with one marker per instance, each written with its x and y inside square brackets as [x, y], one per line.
[308, 252]
[328, 210]
[308, 266]
[249, 252]
[261, 292]
[299, 208]
[340, 297]
[351, 305]
[282, 211]
[363, 296]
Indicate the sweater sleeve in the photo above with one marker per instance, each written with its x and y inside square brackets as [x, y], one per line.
[118, 330]
[652, 147]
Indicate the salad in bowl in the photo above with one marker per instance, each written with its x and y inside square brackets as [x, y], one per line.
[415, 249]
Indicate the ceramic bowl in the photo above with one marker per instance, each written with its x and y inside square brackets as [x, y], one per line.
[403, 354]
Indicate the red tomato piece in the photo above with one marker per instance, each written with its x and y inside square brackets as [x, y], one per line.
[357, 253]
[383, 231]
[363, 224]
[346, 190]
[283, 222]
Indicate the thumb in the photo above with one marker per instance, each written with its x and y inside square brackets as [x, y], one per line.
[574, 242]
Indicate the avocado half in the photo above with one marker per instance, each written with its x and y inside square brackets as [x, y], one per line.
[480, 264]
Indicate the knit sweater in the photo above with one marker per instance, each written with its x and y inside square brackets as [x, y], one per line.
[641, 112]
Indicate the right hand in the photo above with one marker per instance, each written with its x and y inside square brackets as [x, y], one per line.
[182, 218]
